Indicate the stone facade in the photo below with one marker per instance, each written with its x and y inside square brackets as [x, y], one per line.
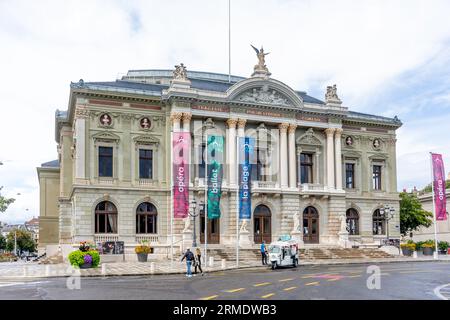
[140, 111]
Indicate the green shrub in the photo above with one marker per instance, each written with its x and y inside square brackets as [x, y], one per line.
[443, 245]
[419, 245]
[76, 258]
[410, 246]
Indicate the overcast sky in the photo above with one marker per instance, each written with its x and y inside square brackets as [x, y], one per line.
[386, 57]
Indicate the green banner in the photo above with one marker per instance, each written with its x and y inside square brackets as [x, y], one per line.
[215, 175]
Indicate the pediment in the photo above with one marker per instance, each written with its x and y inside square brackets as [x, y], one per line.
[264, 91]
[309, 138]
[106, 136]
[146, 139]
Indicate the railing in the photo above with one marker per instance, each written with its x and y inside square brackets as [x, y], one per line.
[106, 237]
[311, 187]
[108, 181]
[151, 238]
[263, 184]
[146, 182]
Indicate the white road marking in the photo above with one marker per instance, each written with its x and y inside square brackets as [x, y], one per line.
[437, 291]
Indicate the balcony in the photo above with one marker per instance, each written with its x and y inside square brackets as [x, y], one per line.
[312, 187]
[150, 238]
[106, 237]
[264, 185]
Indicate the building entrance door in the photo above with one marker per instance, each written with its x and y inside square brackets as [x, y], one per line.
[310, 225]
[262, 224]
[213, 230]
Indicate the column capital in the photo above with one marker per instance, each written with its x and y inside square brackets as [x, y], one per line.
[329, 131]
[292, 128]
[338, 131]
[232, 123]
[187, 116]
[81, 112]
[283, 127]
[175, 117]
[241, 123]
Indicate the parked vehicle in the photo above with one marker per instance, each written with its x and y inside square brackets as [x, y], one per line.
[283, 253]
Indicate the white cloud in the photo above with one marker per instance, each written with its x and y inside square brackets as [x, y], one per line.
[360, 45]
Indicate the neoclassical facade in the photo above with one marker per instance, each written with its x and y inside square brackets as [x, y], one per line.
[320, 172]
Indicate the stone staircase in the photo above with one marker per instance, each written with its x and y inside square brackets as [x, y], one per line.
[305, 254]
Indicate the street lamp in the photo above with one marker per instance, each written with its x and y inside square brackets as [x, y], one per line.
[388, 213]
[194, 213]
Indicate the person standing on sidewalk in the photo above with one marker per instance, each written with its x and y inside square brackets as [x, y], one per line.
[198, 261]
[263, 253]
[189, 258]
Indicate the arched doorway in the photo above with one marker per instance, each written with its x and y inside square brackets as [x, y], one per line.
[262, 224]
[352, 221]
[310, 225]
[213, 229]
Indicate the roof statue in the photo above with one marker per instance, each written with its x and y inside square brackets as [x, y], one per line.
[331, 95]
[260, 69]
[180, 72]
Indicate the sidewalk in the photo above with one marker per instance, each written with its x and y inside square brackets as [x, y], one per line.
[32, 270]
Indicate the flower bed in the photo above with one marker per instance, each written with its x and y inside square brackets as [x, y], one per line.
[6, 257]
[85, 257]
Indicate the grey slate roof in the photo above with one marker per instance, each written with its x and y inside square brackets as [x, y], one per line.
[51, 164]
[365, 116]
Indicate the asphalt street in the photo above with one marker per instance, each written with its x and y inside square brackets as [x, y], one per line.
[420, 280]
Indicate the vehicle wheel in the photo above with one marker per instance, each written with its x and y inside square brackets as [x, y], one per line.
[274, 265]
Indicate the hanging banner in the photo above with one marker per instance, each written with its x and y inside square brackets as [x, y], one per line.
[245, 149]
[439, 186]
[215, 175]
[181, 142]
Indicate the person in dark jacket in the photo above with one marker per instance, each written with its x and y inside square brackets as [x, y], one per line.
[198, 261]
[263, 253]
[189, 259]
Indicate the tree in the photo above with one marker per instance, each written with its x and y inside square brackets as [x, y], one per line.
[5, 202]
[25, 241]
[412, 215]
[2, 242]
[428, 187]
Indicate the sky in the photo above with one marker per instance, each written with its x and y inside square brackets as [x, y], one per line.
[386, 57]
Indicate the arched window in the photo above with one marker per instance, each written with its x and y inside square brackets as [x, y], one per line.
[379, 227]
[146, 218]
[352, 221]
[105, 217]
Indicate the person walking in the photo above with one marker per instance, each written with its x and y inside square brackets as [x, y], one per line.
[198, 261]
[189, 258]
[263, 253]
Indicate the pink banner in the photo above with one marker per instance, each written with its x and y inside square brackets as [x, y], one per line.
[439, 186]
[181, 142]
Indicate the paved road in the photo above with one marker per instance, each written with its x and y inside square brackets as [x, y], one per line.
[397, 281]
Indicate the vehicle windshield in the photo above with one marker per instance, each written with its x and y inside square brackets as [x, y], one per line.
[274, 249]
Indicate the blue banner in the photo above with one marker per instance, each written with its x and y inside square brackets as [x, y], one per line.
[245, 149]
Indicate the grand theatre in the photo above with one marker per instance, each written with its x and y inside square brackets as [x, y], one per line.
[321, 172]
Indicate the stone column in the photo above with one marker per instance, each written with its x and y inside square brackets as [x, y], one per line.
[241, 127]
[338, 158]
[81, 114]
[292, 154]
[176, 118]
[187, 128]
[283, 155]
[330, 158]
[231, 148]
[178, 224]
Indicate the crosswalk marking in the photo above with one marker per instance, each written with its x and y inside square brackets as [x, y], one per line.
[315, 283]
[209, 298]
[268, 295]
[334, 279]
[261, 284]
[235, 290]
[289, 289]
[284, 280]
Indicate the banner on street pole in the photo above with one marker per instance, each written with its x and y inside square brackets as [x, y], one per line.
[181, 142]
[439, 186]
[215, 175]
[245, 149]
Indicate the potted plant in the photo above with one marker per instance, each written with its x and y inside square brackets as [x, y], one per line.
[428, 249]
[142, 251]
[419, 245]
[443, 247]
[408, 248]
[85, 257]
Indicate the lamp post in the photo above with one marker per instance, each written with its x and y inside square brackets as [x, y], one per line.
[15, 243]
[194, 213]
[388, 213]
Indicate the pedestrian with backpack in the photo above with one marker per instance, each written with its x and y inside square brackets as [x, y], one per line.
[189, 256]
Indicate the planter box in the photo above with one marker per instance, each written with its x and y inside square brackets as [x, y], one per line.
[142, 257]
[442, 251]
[428, 251]
[407, 252]
[86, 266]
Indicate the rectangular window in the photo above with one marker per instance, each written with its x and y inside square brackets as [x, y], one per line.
[145, 164]
[376, 177]
[202, 161]
[306, 168]
[258, 165]
[350, 175]
[105, 161]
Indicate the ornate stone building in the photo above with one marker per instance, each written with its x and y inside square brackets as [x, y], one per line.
[321, 171]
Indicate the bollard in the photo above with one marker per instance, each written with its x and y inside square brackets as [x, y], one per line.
[211, 261]
[103, 269]
[47, 270]
[152, 267]
[224, 263]
[435, 255]
[415, 254]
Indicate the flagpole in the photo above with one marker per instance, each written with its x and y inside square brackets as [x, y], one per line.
[229, 41]
[435, 255]
[237, 201]
[206, 203]
[171, 198]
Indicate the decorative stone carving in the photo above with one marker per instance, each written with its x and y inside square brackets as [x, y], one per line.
[309, 138]
[376, 144]
[146, 140]
[296, 218]
[331, 95]
[187, 224]
[105, 120]
[180, 72]
[145, 123]
[343, 220]
[187, 117]
[243, 228]
[241, 123]
[81, 112]
[106, 137]
[232, 123]
[292, 128]
[283, 127]
[264, 95]
[349, 141]
[260, 69]
[175, 117]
